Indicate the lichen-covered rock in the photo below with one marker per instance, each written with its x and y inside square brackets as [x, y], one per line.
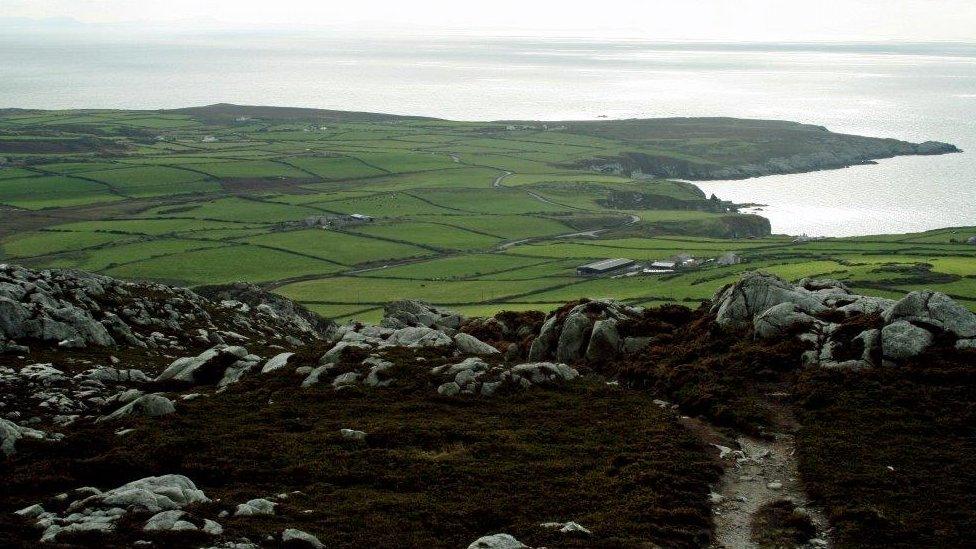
[498, 541]
[276, 362]
[474, 376]
[209, 367]
[412, 313]
[291, 536]
[100, 511]
[10, 433]
[73, 309]
[418, 336]
[152, 405]
[258, 506]
[738, 304]
[567, 335]
[936, 310]
[468, 344]
[605, 342]
[901, 340]
[780, 320]
[176, 521]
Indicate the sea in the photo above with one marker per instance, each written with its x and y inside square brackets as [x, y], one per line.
[914, 92]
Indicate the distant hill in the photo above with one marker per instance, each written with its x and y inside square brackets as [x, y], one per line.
[226, 112]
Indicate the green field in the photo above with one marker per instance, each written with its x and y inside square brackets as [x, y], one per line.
[471, 215]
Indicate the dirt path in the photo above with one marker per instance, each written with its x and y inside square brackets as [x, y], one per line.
[497, 183]
[757, 472]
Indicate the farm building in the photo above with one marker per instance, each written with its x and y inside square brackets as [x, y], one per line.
[335, 221]
[730, 258]
[972, 240]
[604, 267]
[669, 265]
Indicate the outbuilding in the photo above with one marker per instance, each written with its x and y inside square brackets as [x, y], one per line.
[604, 267]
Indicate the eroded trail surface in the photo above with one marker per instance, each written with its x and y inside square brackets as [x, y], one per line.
[758, 472]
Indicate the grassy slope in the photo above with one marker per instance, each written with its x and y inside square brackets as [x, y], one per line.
[439, 191]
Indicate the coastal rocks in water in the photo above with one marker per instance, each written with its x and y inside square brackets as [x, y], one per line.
[292, 536]
[152, 405]
[498, 541]
[100, 511]
[10, 433]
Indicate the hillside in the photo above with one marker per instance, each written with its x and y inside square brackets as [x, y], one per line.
[729, 148]
[777, 414]
[480, 217]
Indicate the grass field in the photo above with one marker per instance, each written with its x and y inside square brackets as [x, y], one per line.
[471, 215]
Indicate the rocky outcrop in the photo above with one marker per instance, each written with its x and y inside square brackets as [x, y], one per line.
[10, 433]
[220, 365]
[72, 309]
[843, 329]
[474, 376]
[412, 313]
[100, 511]
[585, 330]
[498, 541]
[153, 405]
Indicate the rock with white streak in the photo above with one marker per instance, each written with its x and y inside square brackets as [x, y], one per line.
[276, 362]
[292, 536]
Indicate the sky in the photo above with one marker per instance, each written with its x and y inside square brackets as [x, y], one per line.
[661, 20]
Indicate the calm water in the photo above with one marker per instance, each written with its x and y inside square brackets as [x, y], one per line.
[911, 92]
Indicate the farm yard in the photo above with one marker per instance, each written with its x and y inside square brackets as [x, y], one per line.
[345, 212]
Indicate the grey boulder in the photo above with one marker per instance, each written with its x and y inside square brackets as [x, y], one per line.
[901, 340]
[152, 405]
[468, 344]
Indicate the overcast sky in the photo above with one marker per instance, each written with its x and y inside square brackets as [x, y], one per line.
[666, 20]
